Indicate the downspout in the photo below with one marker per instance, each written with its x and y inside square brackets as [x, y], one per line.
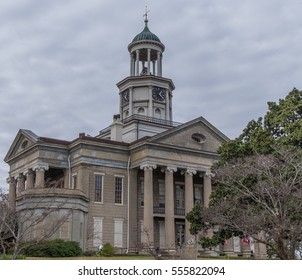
[69, 169]
[128, 208]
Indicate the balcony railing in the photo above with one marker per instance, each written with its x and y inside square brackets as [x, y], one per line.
[143, 118]
[161, 210]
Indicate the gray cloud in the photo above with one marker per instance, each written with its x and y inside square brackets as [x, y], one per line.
[61, 60]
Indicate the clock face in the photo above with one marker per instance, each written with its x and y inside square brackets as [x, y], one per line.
[125, 96]
[159, 94]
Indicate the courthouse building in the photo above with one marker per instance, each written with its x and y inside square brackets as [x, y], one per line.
[134, 182]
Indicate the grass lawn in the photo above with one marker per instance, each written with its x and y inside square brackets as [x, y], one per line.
[122, 257]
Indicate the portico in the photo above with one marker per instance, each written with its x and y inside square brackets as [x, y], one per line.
[179, 189]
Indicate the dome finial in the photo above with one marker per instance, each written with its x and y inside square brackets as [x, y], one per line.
[145, 15]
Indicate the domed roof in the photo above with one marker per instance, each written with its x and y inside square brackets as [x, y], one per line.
[146, 34]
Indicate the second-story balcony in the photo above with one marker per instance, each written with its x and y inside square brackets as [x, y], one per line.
[160, 211]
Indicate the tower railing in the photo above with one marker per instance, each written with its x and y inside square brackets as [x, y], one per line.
[145, 119]
[149, 119]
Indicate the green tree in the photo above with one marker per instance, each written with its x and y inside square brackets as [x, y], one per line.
[281, 125]
[259, 183]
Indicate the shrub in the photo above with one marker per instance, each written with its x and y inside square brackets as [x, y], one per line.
[53, 248]
[108, 250]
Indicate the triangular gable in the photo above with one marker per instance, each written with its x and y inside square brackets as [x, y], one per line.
[23, 141]
[197, 134]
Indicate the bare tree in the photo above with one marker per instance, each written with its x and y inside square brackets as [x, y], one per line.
[262, 194]
[6, 217]
[37, 217]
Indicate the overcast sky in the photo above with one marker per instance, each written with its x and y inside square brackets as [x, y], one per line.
[60, 61]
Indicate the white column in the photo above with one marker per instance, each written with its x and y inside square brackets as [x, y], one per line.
[158, 64]
[148, 204]
[149, 57]
[169, 209]
[207, 188]
[137, 63]
[132, 65]
[189, 200]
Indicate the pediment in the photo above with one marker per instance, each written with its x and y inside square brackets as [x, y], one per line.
[197, 134]
[22, 142]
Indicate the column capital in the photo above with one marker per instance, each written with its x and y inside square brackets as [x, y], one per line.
[209, 174]
[21, 176]
[10, 180]
[40, 167]
[189, 171]
[170, 169]
[148, 166]
[28, 172]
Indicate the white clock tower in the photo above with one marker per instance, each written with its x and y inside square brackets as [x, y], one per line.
[145, 92]
[145, 103]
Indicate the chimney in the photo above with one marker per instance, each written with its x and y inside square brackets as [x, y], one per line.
[116, 129]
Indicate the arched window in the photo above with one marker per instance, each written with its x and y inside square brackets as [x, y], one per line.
[157, 113]
[141, 111]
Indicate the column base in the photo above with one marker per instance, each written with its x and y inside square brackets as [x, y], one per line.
[188, 252]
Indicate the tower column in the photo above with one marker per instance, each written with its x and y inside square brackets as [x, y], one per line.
[137, 63]
[161, 64]
[149, 57]
[148, 204]
[132, 65]
[158, 64]
[169, 208]
[189, 201]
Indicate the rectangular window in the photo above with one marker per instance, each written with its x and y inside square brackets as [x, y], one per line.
[98, 190]
[118, 190]
[118, 233]
[180, 197]
[142, 191]
[161, 193]
[198, 195]
[97, 231]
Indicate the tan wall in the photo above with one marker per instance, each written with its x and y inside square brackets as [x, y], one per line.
[107, 209]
